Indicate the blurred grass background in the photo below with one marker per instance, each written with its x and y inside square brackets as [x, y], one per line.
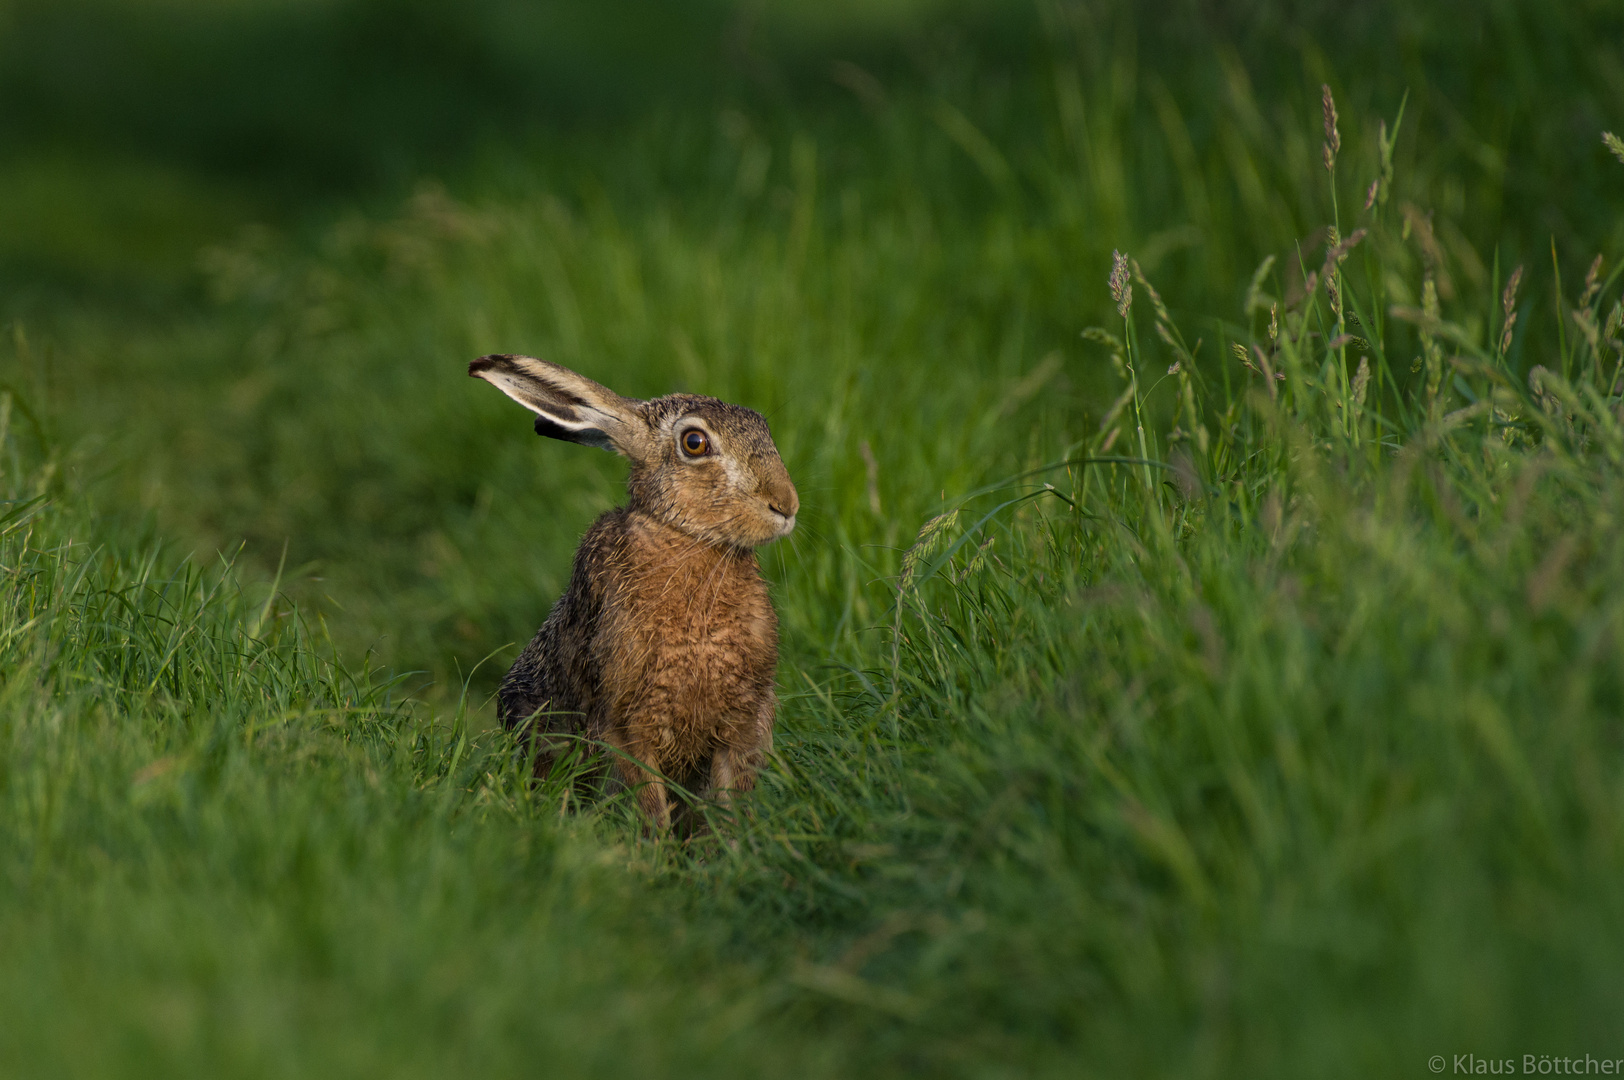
[251, 237]
[1264, 824]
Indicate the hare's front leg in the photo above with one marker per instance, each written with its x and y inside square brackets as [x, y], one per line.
[725, 774]
[733, 767]
[651, 794]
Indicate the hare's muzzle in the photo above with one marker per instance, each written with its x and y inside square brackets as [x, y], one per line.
[782, 500]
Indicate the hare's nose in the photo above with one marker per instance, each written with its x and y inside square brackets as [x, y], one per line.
[782, 500]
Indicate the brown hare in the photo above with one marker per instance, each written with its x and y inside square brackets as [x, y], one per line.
[665, 643]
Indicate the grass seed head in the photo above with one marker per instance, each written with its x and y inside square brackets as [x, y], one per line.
[1333, 138]
[1508, 308]
[1505, 334]
[1615, 322]
[1613, 143]
[931, 536]
[1508, 299]
[1419, 225]
[1384, 178]
[978, 560]
[1121, 291]
[1110, 341]
[1432, 352]
[1592, 283]
[1155, 297]
[1337, 250]
[1361, 380]
[1429, 301]
[1585, 320]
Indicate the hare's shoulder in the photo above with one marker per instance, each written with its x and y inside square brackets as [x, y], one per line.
[560, 666]
[600, 559]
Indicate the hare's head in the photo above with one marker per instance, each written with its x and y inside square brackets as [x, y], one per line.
[702, 466]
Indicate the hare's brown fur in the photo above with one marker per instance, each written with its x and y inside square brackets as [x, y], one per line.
[665, 649]
[665, 643]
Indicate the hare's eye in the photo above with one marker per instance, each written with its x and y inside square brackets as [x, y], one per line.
[694, 442]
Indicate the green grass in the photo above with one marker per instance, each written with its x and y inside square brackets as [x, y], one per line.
[226, 853]
[1136, 720]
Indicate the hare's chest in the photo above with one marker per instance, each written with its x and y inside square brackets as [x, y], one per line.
[698, 639]
[722, 614]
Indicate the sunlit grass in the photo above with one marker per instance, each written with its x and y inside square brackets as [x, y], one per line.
[1224, 679]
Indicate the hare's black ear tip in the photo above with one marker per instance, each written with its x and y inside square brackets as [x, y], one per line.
[485, 363]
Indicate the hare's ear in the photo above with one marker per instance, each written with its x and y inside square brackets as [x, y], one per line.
[567, 406]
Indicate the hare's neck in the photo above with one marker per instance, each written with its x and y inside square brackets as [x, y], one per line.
[673, 545]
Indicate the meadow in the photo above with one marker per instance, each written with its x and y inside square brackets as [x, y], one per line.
[1203, 640]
